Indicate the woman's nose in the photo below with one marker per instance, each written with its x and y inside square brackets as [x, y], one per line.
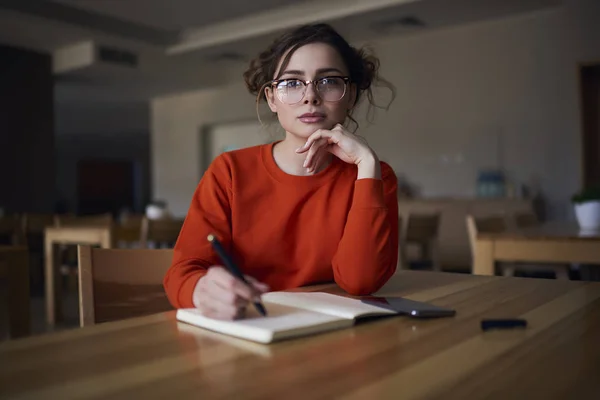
[311, 96]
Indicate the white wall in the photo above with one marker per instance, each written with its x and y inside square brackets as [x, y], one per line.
[230, 136]
[500, 93]
[176, 124]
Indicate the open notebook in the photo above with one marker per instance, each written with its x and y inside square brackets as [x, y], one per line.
[289, 315]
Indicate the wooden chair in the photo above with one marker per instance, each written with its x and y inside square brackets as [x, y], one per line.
[525, 220]
[160, 231]
[421, 230]
[34, 225]
[400, 263]
[128, 231]
[530, 220]
[11, 230]
[68, 252]
[493, 224]
[117, 284]
[498, 224]
[100, 220]
[14, 267]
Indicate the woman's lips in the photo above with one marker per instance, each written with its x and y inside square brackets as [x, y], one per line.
[312, 118]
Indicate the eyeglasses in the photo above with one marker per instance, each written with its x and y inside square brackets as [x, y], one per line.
[329, 88]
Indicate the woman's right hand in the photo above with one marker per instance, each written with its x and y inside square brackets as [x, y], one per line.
[220, 295]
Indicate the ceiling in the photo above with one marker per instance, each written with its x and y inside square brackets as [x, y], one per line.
[175, 14]
[186, 45]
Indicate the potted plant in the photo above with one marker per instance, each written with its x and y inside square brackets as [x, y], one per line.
[587, 208]
[157, 209]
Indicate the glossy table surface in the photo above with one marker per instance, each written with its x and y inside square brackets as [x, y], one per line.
[556, 356]
[548, 231]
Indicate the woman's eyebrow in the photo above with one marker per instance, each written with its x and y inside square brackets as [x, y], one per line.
[293, 72]
[319, 71]
[326, 70]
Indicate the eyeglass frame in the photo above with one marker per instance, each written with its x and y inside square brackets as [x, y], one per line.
[307, 82]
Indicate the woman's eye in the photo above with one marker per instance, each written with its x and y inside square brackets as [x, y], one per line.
[330, 81]
[293, 84]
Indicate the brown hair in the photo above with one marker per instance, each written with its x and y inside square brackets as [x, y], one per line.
[363, 66]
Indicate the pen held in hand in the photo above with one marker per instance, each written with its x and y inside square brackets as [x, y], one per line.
[234, 270]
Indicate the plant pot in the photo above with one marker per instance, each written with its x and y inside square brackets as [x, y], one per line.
[156, 211]
[588, 215]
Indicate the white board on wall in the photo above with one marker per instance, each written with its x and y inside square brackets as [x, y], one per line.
[218, 138]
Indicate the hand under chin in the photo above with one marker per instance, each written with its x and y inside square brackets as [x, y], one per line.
[305, 130]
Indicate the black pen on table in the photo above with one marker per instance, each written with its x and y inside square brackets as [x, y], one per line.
[233, 269]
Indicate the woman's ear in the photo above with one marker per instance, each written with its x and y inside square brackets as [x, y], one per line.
[270, 95]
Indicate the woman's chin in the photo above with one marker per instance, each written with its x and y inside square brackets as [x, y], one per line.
[304, 130]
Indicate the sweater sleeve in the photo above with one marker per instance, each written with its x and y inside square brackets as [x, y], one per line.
[209, 212]
[368, 251]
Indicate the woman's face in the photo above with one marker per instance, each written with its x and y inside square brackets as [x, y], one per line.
[324, 104]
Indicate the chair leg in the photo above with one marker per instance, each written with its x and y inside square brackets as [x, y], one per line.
[402, 259]
[562, 272]
[508, 270]
[435, 256]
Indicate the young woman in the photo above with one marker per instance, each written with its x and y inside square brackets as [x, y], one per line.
[317, 206]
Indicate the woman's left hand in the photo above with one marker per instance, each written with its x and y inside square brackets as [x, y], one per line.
[346, 146]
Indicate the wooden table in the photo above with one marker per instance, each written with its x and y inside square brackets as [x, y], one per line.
[92, 235]
[557, 356]
[14, 267]
[551, 243]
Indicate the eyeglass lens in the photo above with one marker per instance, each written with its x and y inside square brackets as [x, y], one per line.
[292, 91]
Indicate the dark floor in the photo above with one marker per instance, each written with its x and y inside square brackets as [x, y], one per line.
[38, 314]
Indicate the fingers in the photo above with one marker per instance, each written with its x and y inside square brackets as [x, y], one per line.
[338, 127]
[314, 151]
[220, 295]
[338, 152]
[230, 283]
[218, 310]
[215, 302]
[261, 287]
[317, 162]
[225, 304]
[333, 136]
[311, 140]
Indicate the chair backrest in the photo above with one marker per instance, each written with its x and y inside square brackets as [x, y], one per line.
[36, 223]
[161, 231]
[492, 224]
[14, 268]
[132, 221]
[121, 283]
[100, 220]
[11, 230]
[421, 227]
[128, 230]
[526, 220]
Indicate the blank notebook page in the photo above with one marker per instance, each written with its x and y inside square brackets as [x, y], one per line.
[343, 307]
[282, 321]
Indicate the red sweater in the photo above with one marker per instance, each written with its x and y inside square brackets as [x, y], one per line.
[286, 230]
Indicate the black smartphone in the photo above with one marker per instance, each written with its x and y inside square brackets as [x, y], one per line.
[412, 308]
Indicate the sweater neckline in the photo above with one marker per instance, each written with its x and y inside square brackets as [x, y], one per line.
[327, 174]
